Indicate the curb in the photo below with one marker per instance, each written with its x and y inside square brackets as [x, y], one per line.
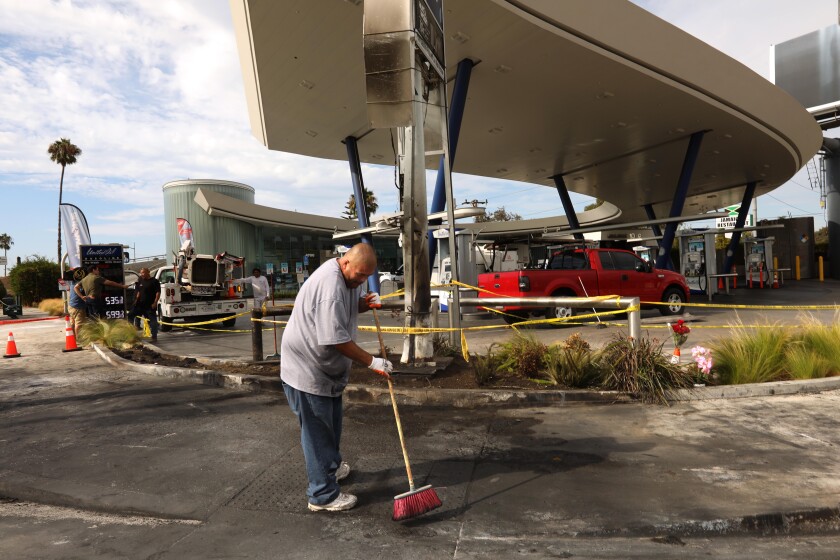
[15, 321]
[803, 522]
[363, 394]
[470, 398]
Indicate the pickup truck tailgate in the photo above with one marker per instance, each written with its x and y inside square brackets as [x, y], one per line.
[501, 284]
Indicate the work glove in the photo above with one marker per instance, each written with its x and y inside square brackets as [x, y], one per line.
[381, 366]
[373, 301]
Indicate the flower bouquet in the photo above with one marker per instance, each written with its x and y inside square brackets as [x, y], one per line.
[702, 365]
[679, 332]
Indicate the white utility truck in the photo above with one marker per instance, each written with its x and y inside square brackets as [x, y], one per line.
[200, 288]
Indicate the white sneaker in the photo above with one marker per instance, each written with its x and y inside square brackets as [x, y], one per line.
[341, 503]
[342, 472]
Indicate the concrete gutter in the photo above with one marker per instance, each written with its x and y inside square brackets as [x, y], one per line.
[470, 398]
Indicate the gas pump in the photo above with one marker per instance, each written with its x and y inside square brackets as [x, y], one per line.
[647, 254]
[693, 265]
[758, 257]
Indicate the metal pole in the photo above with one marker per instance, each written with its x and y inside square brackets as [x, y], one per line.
[256, 335]
[663, 258]
[361, 207]
[567, 204]
[743, 212]
[456, 115]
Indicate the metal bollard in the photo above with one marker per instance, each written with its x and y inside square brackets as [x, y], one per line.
[256, 335]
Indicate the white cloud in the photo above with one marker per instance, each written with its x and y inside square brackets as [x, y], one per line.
[152, 92]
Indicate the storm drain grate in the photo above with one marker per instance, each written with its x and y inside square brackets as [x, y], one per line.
[282, 486]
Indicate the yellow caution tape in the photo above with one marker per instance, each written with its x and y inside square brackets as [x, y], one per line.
[737, 306]
[210, 322]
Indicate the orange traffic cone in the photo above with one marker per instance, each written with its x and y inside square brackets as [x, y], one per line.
[775, 279]
[11, 348]
[231, 292]
[720, 284]
[734, 279]
[70, 340]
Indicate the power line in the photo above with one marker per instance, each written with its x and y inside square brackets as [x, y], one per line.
[788, 204]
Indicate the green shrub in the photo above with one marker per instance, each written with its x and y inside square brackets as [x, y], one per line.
[52, 306]
[35, 279]
[751, 356]
[485, 366]
[572, 363]
[524, 356]
[113, 333]
[639, 368]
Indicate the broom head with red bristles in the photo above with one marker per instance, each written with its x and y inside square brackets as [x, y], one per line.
[415, 502]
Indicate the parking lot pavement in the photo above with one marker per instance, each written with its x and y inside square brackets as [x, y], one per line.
[100, 462]
[104, 463]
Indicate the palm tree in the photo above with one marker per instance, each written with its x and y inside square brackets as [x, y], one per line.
[64, 153]
[6, 243]
[371, 205]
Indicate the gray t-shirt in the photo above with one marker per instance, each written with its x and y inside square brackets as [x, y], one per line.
[325, 314]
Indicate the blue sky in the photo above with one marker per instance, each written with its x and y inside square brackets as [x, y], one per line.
[152, 92]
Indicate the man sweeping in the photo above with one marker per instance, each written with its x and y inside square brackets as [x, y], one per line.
[316, 354]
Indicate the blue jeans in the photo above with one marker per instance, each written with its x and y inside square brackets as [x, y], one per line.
[320, 435]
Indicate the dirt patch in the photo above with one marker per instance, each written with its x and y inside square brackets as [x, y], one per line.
[457, 375]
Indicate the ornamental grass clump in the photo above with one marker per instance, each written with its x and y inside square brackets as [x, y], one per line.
[572, 363]
[52, 306]
[751, 356]
[523, 356]
[639, 368]
[113, 333]
[818, 343]
[486, 365]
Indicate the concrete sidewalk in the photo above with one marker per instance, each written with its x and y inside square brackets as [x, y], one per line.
[104, 462]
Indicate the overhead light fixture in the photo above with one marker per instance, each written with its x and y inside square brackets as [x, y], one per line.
[306, 84]
[460, 37]
[502, 170]
[495, 130]
[312, 133]
[502, 69]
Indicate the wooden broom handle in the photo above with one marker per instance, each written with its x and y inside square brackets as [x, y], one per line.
[394, 403]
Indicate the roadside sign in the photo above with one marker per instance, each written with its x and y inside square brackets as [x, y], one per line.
[729, 221]
[284, 268]
[63, 286]
[298, 268]
[269, 268]
[2, 260]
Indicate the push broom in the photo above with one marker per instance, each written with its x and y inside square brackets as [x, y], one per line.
[416, 501]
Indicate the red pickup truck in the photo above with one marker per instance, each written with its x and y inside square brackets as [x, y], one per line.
[600, 271]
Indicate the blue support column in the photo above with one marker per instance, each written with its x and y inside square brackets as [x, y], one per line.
[743, 212]
[567, 204]
[456, 115]
[657, 231]
[664, 256]
[361, 208]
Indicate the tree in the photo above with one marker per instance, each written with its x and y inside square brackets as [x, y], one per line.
[370, 204]
[6, 243]
[64, 153]
[598, 202]
[35, 279]
[499, 215]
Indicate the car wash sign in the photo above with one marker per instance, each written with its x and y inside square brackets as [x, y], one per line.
[729, 221]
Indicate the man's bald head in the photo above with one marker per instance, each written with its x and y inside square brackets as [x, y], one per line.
[357, 264]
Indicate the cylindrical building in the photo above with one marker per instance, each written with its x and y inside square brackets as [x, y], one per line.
[211, 234]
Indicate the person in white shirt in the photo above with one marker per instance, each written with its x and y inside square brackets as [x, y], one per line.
[259, 285]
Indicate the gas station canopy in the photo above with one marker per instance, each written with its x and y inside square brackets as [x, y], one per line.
[604, 94]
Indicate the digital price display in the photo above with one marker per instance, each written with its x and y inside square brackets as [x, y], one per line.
[110, 261]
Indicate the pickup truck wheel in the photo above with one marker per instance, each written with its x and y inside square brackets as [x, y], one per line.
[560, 312]
[164, 328]
[675, 299]
[511, 318]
